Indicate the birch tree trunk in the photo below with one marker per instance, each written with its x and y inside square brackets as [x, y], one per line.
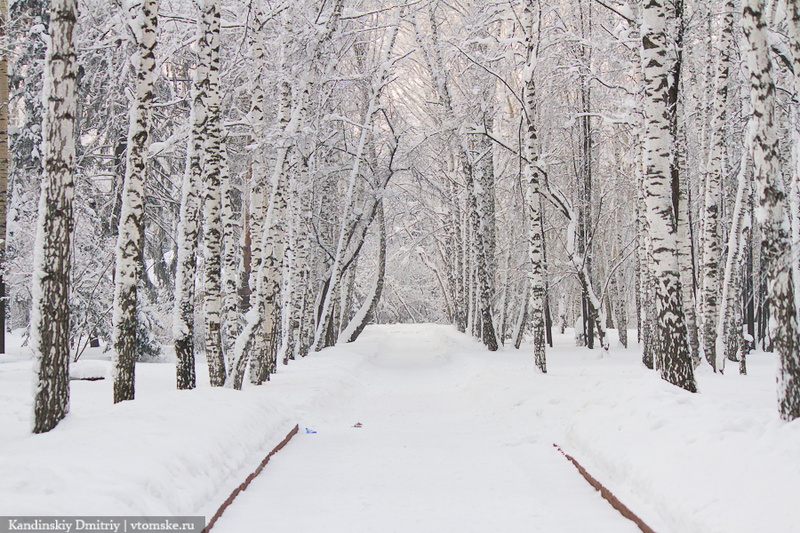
[793, 31]
[643, 287]
[302, 322]
[51, 268]
[3, 169]
[230, 263]
[725, 334]
[483, 320]
[454, 259]
[772, 209]
[484, 186]
[592, 300]
[263, 362]
[532, 177]
[685, 252]
[143, 19]
[620, 299]
[660, 188]
[713, 179]
[188, 224]
[212, 202]
[237, 361]
[585, 218]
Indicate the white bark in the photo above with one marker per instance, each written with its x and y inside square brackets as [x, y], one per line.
[230, 263]
[212, 202]
[772, 210]
[658, 65]
[188, 224]
[263, 363]
[727, 305]
[713, 178]
[143, 20]
[51, 263]
[685, 253]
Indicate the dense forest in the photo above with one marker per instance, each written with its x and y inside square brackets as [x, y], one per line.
[250, 181]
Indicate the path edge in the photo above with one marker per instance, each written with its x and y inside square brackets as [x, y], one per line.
[609, 496]
[249, 479]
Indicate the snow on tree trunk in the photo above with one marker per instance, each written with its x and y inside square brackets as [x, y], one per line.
[188, 223]
[669, 336]
[143, 20]
[51, 267]
[214, 161]
[771, 210]
[255, 337]
[713, 178]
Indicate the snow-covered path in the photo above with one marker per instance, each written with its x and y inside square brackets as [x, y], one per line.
[439, 449]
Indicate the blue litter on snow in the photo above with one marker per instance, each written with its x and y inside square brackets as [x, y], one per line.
[310, 431]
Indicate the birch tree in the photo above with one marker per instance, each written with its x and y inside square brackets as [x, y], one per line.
[262, 363]
[214, 161]
[727, 336]
[51, 268]
[143, 20]
[230, 263]
[533, 185]
[713, 178]
[772, 208]
[188, 225]
[300, 291]
[3, 167]
[658, 64]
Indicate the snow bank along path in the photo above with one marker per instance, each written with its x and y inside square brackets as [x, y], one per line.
[427, 441]
[453, 438]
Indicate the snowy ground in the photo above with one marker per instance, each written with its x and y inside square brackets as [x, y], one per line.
[452, 438]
